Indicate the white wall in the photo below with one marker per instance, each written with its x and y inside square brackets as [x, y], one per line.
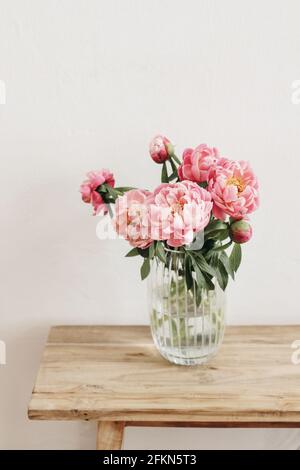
[88, 83]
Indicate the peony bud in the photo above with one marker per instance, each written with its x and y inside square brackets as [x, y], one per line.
[240, 231]
[160, 149]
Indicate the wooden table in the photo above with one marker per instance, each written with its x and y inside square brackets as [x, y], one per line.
[114, 375]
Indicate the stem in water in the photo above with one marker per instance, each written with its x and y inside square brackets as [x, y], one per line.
[110, 210]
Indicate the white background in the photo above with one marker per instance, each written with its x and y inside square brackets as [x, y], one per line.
[88, 83]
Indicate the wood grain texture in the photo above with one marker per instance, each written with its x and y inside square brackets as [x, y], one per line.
[110, 435]
[114, 373]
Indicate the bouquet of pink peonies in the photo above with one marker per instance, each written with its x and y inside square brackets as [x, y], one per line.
[204, 193]
[183, 230]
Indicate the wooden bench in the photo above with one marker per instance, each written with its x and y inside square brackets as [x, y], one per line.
[115, 376]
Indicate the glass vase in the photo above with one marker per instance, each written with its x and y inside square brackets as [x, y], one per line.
[183, 332]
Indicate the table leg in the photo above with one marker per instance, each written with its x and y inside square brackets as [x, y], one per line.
[110, 435]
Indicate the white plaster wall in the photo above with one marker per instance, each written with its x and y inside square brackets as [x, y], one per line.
[88, 82]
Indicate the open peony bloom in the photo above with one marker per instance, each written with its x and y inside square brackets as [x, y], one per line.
[198, 164]
[234, 189]
[178, 211]
[88, 189]
[159, 148]
[132, 218]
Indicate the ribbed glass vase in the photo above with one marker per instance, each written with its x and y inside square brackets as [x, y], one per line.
[184, 333]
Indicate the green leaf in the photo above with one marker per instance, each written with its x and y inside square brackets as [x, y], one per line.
[214, 259]
[226, 263]
[209, 283]
[199, 276]
[222, 247]
[151, 250]
[164, 173]
[188, 273]
[144, 252]
[133, 252]
[145, 268]
[174, 174]
[160, 252]
[203, 264]
[112, 192]
[208, 246]
[173, 177]
[217, 234]
[123, 189]
[235, 257]
[174, 168]
[215, 225]
[102, 188]
[222, 276]
[223, 234]
[175, 158]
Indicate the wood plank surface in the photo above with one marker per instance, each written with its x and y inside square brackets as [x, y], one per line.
[114, 373]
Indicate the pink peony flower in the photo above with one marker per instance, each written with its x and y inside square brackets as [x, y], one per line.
[178, 211]
[160, 148]
[88, 189]
[198, 164]
[240, 231]
[234, 189]
[132, 219]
